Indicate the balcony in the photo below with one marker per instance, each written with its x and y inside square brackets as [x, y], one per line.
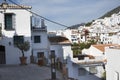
[38, 28]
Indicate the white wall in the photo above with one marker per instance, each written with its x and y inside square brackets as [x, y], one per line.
[94, 51]
[44, 40]
[58, 51]
[67, 34]
[43, 46]
[22, 27]
[67, 51]
[73, 67]
[73, 71]
[113, 66]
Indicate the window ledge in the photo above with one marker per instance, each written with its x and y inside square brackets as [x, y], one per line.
[9, 29]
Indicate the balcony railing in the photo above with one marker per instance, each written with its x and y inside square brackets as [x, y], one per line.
[38, 29]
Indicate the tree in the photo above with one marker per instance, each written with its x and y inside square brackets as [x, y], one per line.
[77, 48]
[86, 32]
[104, 76]
[23, 47]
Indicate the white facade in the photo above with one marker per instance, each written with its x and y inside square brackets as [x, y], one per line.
[72, 34]
[21, 27]
[113, 67]
[82, 72]
[62, 49]
[103, 27]
[42, 46]
[76, 66]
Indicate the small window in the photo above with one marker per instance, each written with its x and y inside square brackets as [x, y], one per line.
[40, 54]
[92, 70]
[37, 39]
[9, 21]
[81, 37]
[82, 72]
[18, 39]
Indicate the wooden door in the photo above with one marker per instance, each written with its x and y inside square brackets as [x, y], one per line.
[40, 58]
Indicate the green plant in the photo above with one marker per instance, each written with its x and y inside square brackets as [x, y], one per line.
[88, 24]
[77, 48]
[23, 47]
[104, 76]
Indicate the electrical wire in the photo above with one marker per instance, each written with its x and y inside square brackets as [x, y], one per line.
[39, 15]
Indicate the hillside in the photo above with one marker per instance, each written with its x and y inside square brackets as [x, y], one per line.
[76, 26]
[108, 14]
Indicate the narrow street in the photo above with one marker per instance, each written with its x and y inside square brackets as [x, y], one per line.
[27, 72]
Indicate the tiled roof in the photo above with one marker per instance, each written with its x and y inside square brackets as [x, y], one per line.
[101, 47]
[13, 6]
[58, 40]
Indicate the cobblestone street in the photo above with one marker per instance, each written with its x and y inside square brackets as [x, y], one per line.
[27, 72]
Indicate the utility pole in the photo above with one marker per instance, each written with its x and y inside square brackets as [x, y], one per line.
[53, 67]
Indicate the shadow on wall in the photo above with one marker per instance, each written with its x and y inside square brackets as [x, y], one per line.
[11, 52]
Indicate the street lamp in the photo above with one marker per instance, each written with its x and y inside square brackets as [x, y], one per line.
[53, 67]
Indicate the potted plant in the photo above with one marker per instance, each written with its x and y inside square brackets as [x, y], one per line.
[23, 47]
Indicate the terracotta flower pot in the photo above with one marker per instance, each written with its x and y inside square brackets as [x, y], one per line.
[23, 60]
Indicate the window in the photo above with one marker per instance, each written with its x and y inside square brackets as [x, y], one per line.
[9, 21]
[92, 70]
[40, 54]
[37, 39]
[81, 37]
[82, 72]
[18, 39]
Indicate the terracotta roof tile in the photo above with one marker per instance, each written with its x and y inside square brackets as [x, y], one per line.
[59, 40]
[101, 47]
[13, 6]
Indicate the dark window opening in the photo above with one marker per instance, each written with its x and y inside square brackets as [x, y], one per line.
[18, 39]
[9, 19]
[37, 39]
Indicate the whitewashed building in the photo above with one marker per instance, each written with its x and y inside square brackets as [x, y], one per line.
[113, 67]
[89, 65]
[16, 27]
[72, 34]
[61, 46]
[40, 44]
[107, 29]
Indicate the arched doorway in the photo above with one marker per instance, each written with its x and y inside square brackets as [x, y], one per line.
[2, 54]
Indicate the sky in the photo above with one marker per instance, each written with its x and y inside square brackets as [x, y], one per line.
[69, 12]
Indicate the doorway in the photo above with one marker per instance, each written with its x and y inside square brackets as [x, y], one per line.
[40, 56]
[2, 55]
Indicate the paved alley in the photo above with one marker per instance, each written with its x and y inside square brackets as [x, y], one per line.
[28, 72]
